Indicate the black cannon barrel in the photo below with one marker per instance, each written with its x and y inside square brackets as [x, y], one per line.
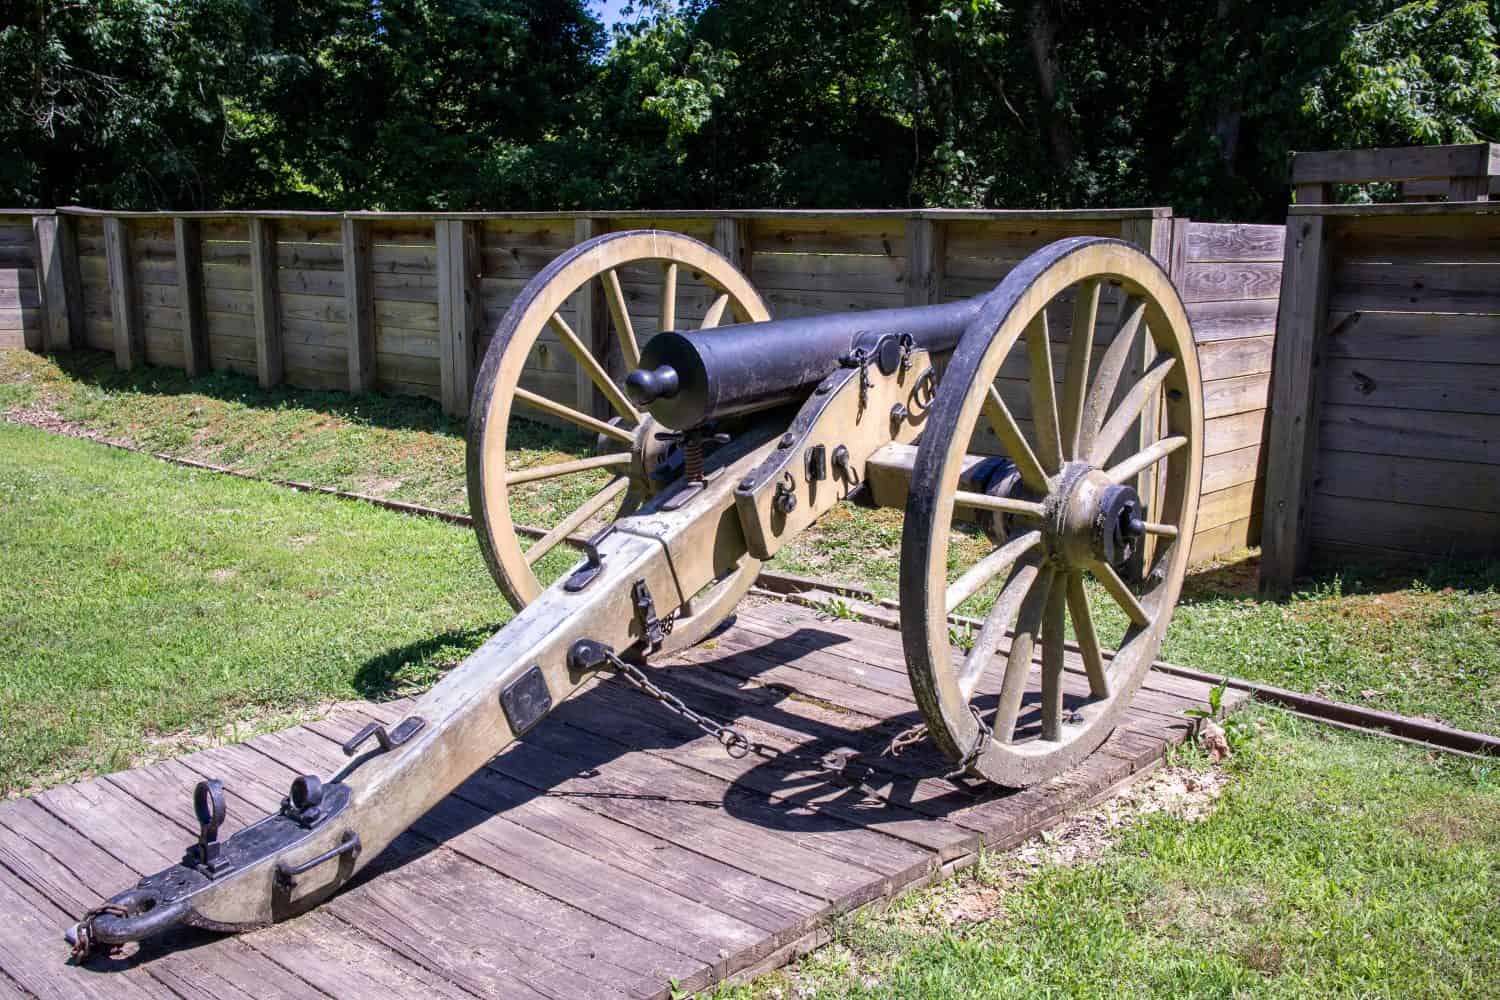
[689, 378]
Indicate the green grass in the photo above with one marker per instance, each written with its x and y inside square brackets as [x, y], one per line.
[1424, 642]
[1333, 866]
[140, 600]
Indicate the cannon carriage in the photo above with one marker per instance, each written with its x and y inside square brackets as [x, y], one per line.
[1044, 441]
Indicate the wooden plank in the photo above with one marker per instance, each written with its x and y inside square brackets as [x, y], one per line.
[732, 239]
[458, 297]
[1230, 468]
[269, 365]
[1220, 359]
[62, 291]
[1413, 385]
[1428, 286]
[1227, 396]
[1458, 437]
[1430, 531]
[1464, 486]
[189, 242]
[1220, 281]
[1401, 336]
[1226, 538]
[1358, 166]
[591, 322]
[925, 255]
[128, 347]
[1293, 434]
[1209, 241]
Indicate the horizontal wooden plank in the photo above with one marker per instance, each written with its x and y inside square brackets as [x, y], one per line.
[1231, 468]
[1468, 486]
[1413, 385]
[1225, 538]
[1233, 503]
[1427, 530]
[1427, 287]
[1235, 358]
[1211, 241]
[1232, 320]
[1355, 166]
[884, 237]
[1407, 336]
[1234, 432]
[817, 273]
[1226, 396]
[1409, 239]
[1223, 281]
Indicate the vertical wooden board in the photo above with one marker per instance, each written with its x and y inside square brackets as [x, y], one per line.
[590, 321]
[359, 304]
[925, 253]
[732, 239]
[458, 300]
[1293, 436]
[188, 243]
[269, 362]
[125, 325]
[57, 278]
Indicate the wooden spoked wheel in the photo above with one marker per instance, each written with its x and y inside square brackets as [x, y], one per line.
[606, 472]
[1044, 538]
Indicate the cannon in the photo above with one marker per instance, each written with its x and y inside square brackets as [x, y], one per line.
[1044, 440]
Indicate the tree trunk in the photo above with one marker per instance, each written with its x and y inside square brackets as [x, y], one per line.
[1041, 36]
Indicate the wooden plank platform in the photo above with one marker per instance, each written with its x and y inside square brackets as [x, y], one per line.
[613, 850]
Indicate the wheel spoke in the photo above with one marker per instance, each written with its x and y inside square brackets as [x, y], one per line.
[1107, 379]
[571, 415]
[669, 298]
[621, 316]
[1017, 449]
[1054, 633]
[995, 625]
[1124, 418]
[1003, 505]
[986, 569]
[577, 519]
[595, 372]
[715, 313]
[1076, 377]
[539, 472]
[1138, 463]
[1043, 393]
[1088, 639]
[1121, 593]
[1018, 662]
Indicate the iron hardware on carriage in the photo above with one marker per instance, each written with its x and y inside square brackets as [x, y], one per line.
[1044, 440]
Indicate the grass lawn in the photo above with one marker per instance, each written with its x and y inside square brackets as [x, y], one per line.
[144, 604]
[1423, 642]
[1332, 866]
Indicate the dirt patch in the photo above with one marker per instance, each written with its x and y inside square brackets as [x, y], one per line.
[1479, 822]
[1185, 793]
[1235, 574]
[45, 418]
[1373, 609]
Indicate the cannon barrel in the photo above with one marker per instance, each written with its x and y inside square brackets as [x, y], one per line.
[687, 379]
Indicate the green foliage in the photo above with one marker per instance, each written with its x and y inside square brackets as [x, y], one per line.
[506, 104]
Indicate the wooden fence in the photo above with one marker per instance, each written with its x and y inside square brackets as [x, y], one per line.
[1386, 398]
[402, 303]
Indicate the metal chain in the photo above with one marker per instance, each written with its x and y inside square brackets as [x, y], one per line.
[737, 745]
[83, 940]
[734, 742]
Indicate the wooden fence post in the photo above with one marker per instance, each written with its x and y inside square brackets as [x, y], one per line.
[1292, 441]
[592, 317]
[926, 248]
[458, 293]
[269, 364]
[128, 342]
[1152, 234]
[58, 282]
[359, 305]
[187, 235]
[732, 239]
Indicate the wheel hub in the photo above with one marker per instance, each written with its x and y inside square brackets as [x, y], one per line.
[1092, 520]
